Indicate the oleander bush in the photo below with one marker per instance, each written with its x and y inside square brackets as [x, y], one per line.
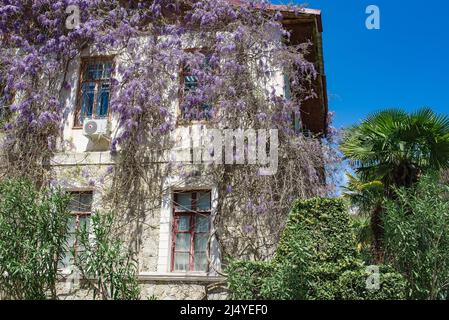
[417, 237]
[34, 227]
[33, 239]
[106, 261]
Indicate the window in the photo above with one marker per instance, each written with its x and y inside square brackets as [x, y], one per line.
[2, 104]
[192, 108]
[191, 229]
[94, 92]
[5, 100]
[81, 209]
[295, 115]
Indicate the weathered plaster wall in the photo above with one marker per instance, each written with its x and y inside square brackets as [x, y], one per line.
[147, 234]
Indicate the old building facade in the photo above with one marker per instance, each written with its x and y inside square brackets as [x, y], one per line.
[177, 253]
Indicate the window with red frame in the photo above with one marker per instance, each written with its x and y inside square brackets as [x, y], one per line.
[191, 229]
[81, 209]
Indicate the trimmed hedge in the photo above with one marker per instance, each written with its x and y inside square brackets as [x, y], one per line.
[248, 278]
[352, 285]
[316, 260]
[326, 223]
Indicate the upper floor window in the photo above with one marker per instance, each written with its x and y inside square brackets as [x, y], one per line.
[192, 104]
[2, 104]
[5, 100]
[296, 114]
[81, 209]
[191, 230]
[94, 92]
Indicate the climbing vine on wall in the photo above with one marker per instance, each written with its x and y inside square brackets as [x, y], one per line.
[243, 46]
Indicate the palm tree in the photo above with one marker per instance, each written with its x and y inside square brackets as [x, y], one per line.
[396, 148]
[362, 195]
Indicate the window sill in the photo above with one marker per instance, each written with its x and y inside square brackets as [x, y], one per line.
[181, 277]
[163, 277]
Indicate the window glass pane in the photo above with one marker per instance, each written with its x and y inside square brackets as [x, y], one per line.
[3, 103]
[84, 222]
[183, 223]
[201, 242]
[90, 72]
[74, 205]
[203, 201]
[181, 262]
[190, 83]
[94, 71]
[205, 112]
[71, 236]
[297, 121]
[184, 201]
[2, 89]
[87, 100]
[86, 201]
[98, 70]
[67, 258]
[186, 113]
[202, 223]
[107, 69]
[103, 100]
[200, 261]
[207, 58]
[81, 202]
[201, 111]
[183, 242]
[287, 88]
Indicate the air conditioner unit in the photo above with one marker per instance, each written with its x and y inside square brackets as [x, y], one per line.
[96, 128]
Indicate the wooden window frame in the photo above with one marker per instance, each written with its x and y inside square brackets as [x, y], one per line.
[3, 104]
[5, 112]
[296, 123]
[78, 215]
[182, 72]
[85, 61]
[192, 214]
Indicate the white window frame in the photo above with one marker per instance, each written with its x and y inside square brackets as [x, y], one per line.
[165, 232]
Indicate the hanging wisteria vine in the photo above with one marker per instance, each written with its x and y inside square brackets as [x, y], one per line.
[240, 46]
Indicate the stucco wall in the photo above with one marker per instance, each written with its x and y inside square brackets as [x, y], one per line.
[148, 235]
[82, 165]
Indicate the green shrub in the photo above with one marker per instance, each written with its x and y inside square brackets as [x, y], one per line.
[248, 278]
[417, 237]
[320, 230]
[33, 232]
[352, 285]
[266, 280]
[323, 221]
[106, 260]
[316, 260]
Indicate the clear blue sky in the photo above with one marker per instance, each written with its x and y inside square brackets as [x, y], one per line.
[404, 64]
